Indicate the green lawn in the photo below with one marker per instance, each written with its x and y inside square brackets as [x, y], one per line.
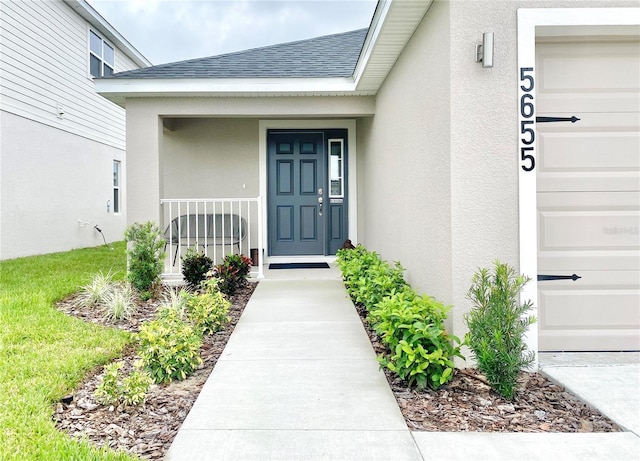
[44, 354]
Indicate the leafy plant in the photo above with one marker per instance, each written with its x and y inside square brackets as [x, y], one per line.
[169, 347]
[209, 312]
[108, 391]
[146, 256]
[232, 273]
[115, 389]
[420, 349]
[119, 302]
[497, 325]
[135, 387]
[94, 293]
[195, 267]
[367, 277]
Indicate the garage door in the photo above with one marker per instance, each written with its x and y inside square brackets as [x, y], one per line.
[588, 183]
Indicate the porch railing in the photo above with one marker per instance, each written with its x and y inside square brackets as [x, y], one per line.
[216, 227]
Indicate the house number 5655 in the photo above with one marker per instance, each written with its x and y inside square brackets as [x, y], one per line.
[527, 111]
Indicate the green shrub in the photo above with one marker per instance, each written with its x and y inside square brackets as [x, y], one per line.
[169, 347]
[367, 277]
[497, 325]
[94, 293]
[108, 391]
[209, 312]
[195, 267]
[115, 389]
[420, 349]
[146, 257]
[232, 273]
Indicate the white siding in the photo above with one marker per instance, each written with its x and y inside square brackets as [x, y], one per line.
[44, 64]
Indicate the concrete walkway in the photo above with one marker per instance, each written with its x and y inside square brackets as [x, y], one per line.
[299, 380]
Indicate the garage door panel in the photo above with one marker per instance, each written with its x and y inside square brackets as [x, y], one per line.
[569, 262]
[569, 67]
[595, 151]
[590, 340]
[596, 230]
[593, 309]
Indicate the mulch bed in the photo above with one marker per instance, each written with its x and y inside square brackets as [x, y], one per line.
[466, 403]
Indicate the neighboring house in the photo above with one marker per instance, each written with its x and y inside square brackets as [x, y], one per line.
[62, 146]
[423, 154]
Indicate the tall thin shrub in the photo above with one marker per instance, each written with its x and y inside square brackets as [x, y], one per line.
[146, 254]
[497, 326]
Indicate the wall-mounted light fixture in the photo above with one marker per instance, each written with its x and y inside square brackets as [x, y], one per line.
[484, 52]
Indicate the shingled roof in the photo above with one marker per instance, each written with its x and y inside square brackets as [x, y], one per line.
[322, 57]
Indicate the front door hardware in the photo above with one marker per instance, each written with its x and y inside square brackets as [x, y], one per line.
[572, 119]
[573, 277]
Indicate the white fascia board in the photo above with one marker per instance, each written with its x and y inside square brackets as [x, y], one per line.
[221, 87]
[94, 18]
[372, 37]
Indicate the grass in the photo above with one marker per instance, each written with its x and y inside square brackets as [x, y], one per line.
[44, 354]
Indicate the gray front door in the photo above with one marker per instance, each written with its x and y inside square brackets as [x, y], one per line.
[296, 172]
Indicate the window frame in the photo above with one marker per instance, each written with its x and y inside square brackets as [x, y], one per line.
[341, 177]
[101, 58]
[117, 188]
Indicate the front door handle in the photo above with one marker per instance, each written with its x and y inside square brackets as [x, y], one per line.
[320, 206]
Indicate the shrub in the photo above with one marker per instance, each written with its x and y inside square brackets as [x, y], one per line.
[146, 256]
[420, 349]
[94, 293]
[115, 389]
[209, 312]
[108, 391]
[195, 267]
[497, 325]
[367, 277]
[169, 347]
[119, 303]
[232, 273]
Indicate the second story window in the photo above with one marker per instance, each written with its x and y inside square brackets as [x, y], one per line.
[101, 56]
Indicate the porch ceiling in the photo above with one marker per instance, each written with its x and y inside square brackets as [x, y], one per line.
[392, 26]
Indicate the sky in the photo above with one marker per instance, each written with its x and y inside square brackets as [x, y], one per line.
[175, 30]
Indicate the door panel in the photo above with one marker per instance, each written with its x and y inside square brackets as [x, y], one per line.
[588, 183]
[296, 174]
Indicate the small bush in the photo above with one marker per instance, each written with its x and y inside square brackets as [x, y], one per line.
[367, 277]
[94, 293]
[420, 349]
[209, 312]
[129, 390]
[119, 303]
[497, 325]
[195, 267]
[146, 256]
[108, 391]
[232, 273]
[169, 347]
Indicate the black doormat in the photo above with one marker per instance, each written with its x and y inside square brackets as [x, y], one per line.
[298, 266]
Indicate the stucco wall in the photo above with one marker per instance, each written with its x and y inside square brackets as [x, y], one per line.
[443, 143]
[208, 158]
[50, 180]
[404, 159]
